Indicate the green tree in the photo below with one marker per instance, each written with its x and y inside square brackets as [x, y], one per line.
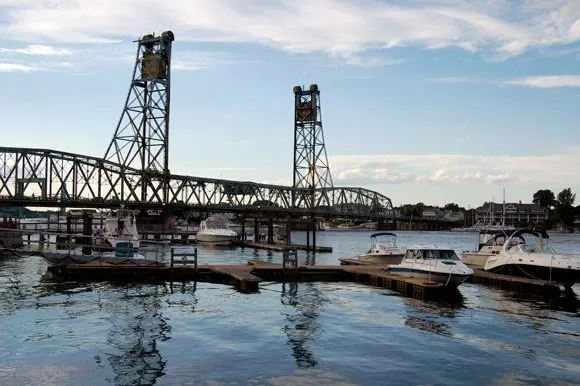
[418, 209]
[566, 197]
[544, 197]
[451, 206]
[564, 207]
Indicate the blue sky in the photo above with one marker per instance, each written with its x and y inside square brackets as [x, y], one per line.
[422, 100]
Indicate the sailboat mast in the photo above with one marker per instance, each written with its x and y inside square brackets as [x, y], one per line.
[503, 209]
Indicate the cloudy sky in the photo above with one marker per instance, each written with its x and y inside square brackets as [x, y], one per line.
[422, 100]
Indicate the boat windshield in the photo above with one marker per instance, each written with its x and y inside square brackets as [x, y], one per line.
[440, 254]
[216, 224]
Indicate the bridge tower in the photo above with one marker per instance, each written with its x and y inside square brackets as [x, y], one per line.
[311, 169]
[141, 139]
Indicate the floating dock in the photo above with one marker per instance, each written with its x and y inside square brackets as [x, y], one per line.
[495, 280]
[283, 247]
[245, 278]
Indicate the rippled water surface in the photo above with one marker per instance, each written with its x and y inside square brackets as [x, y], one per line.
[288, 334]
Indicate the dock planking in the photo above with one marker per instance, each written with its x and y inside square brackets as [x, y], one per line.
[515, 283]
[247, 278]
[283, 247]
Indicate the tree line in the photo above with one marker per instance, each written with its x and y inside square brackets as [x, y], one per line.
[560, 208]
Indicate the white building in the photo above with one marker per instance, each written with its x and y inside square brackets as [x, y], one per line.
[493, 213]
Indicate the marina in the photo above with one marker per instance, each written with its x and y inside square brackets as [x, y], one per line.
[318, 292]
[139, 276]
[162, 262]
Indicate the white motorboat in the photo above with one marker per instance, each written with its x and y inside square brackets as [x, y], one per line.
[215, 230]
[526, 253]
[384, 249]
[434, 264]
[121, 232]
[489, 243]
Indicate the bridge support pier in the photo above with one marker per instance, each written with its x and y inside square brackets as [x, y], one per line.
[256, 230]
[270, 231]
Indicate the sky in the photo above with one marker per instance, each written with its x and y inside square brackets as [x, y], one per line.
[433, 101]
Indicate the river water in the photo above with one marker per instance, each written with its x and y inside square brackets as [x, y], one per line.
[287, 334]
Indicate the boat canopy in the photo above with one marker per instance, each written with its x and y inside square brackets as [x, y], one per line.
[531, 231]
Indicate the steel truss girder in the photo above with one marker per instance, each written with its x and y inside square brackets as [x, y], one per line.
[311, 168]
[40, 177]
[141, 139]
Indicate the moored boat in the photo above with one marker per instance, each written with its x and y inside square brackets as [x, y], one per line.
[527, 253]
[433, 264]
[383, 249]
[215, 231]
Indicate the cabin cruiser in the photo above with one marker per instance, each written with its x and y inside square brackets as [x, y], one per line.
[434, 264]
[490, 243]
[215, 230]
[526, 253]
[384, 249]
[121, 231]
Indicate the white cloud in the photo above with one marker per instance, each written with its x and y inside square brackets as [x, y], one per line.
[442, 168]
[336, 27]
[548, 81]
[15, 67]
[203, 59]
[453, 79]
[37, 49]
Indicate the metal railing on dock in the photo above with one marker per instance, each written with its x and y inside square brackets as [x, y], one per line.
[184, 258]
[290, 259]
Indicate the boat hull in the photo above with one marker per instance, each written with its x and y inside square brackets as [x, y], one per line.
[449, 280]
[382, 258]
[566, 277]
[55, 259]
[214, 239]
[476, 259]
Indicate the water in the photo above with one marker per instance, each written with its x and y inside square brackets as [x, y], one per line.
[288, 334]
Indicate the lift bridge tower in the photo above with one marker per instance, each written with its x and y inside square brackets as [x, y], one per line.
[141, 140]
[311, 169]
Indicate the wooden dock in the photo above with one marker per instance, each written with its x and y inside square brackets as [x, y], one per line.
[515, 283]
[247, 278]
[495, 280]
[283, 247]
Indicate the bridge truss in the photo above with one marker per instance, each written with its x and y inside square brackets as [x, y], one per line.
[135, 168]
[40, 177]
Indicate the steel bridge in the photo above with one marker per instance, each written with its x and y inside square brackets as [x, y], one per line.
[135, 169]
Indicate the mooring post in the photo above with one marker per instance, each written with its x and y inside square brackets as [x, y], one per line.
[87, 233]
[288, 232]
[195, 259]
[171, 260]
[270, 231]
[314, 235]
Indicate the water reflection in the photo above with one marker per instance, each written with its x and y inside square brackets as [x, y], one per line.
[432, 316]
[303, 325]
[136, 326]
[18, 286]
[566, 301]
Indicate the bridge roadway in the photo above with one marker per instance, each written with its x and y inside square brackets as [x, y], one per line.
[49, 178]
